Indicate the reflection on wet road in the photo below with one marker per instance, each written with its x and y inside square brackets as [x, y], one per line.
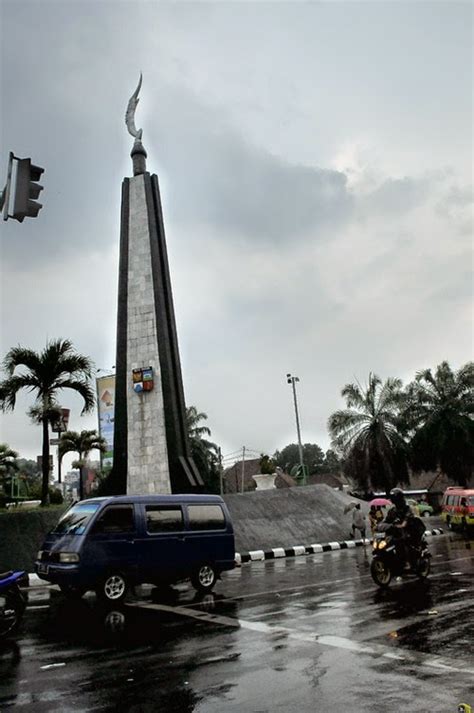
[311, 633]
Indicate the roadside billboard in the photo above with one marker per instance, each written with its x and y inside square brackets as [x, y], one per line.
[106, 411]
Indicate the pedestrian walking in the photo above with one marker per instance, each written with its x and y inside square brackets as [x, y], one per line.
[358, 521]
[375, 516]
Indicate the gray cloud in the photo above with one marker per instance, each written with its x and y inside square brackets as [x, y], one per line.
[220, 178]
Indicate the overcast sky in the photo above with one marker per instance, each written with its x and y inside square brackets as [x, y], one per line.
[315, 163]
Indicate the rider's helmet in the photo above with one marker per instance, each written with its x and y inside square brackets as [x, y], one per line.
[397, 497]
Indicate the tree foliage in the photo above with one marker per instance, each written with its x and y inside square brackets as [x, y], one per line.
[81, 443]
[8, 466]
[367, 434]
[8, 458]
[439, 417]
[46, 373]
[204, 452]
[331, 463]
[289, 457]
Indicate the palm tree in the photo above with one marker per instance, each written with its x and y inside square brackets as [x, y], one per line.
[8, 462]
[439, 415]
[45, 373]
[81, 443]
[368, 435]
[204, 452]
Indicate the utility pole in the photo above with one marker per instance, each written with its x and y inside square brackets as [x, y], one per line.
[243, 467]
[292, 380]
[221, 471]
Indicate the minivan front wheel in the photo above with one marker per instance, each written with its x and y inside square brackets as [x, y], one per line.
[204, 578]
[112, 588]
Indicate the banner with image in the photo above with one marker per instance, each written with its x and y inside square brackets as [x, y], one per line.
[106, 410]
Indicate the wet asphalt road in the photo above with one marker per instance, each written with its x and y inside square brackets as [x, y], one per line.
[305, 634]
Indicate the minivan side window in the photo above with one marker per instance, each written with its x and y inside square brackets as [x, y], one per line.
[117, 518]
[206, 517]
[161, 519]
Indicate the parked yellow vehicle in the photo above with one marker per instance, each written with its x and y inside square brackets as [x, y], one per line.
[457, 508]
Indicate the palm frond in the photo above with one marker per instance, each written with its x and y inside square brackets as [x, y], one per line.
[83, 388]
[19, 356]
[11, 386]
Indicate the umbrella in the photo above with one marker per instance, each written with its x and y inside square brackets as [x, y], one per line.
[380, 502]
[348, 507]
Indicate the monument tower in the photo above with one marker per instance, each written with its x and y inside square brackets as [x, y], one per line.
[151, 450]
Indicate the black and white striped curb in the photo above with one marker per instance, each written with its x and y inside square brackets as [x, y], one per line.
[298, 550]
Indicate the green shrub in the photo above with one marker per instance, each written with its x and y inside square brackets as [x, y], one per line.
[55, 496]
[267, 465]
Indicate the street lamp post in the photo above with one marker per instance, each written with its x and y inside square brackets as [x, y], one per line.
[292, 380]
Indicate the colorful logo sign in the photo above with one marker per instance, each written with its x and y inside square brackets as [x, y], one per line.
[142, 379]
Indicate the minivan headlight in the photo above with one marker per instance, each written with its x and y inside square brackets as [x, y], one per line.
[68, 557]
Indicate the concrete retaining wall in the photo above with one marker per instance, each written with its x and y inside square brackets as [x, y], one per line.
[288, 516]
[22, 533]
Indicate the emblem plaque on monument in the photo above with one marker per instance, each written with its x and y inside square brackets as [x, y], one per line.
[142, 379]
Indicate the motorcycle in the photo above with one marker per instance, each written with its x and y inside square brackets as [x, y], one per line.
[12, 602]
[389, 558]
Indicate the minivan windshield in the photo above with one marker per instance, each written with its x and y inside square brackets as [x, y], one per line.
[74, 521]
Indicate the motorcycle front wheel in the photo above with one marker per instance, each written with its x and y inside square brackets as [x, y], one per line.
[381, 573]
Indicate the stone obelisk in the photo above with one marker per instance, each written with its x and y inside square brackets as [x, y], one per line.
[151, 450]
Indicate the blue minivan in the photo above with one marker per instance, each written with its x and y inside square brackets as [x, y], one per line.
[111, 544]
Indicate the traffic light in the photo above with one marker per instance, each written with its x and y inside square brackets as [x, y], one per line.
[26, 190]
[21, 189]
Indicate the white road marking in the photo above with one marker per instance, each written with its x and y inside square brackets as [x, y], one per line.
[337, 642]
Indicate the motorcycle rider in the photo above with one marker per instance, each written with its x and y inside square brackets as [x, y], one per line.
[403, 519]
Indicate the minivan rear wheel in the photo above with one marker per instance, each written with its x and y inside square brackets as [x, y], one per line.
[204, 578]
[113, 588]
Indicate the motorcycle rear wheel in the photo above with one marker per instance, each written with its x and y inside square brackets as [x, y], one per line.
[381, 573]
[424, 567]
